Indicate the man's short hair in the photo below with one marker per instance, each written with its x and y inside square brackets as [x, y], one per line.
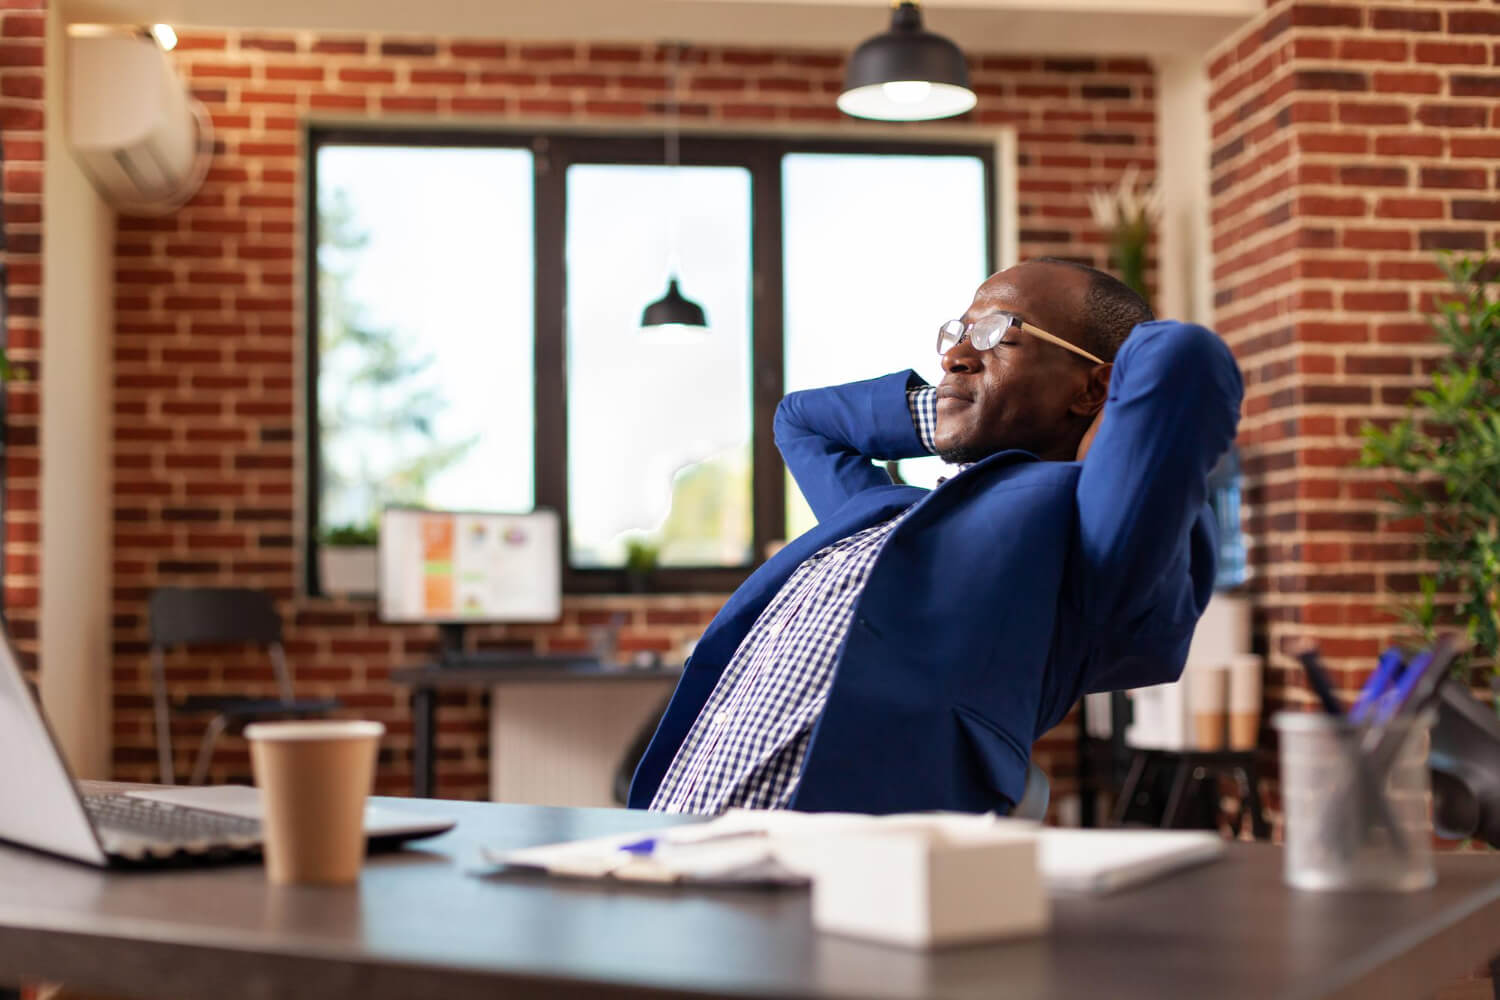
[1111, 309]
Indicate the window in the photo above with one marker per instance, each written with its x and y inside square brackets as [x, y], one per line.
[424, 320]
[474, 337]
[912, 263]
[637, 465]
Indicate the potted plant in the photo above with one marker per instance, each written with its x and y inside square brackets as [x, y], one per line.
[1126, 214]
[1447, 450]
[641, 554]
[346, 559]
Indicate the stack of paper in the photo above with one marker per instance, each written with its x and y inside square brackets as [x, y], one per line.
[779, 847]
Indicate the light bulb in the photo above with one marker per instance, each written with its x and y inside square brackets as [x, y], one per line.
[165, 36]
[906, 91]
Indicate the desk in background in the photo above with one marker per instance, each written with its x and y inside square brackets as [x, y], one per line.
[419, 926]
[558, 725]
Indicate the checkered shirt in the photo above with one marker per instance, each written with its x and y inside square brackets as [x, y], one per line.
[748, 744]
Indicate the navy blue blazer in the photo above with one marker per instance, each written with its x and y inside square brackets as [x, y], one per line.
[1009, 591]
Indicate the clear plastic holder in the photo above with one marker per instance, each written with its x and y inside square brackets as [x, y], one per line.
[1355, 819]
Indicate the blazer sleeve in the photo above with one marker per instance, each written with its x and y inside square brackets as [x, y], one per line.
[830, 437]
[1146, 560]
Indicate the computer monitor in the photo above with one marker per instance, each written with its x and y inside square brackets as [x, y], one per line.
[455, 568]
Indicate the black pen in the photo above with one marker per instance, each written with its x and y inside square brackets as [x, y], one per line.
[1317, 678]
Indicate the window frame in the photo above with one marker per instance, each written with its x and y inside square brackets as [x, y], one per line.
[555, 150]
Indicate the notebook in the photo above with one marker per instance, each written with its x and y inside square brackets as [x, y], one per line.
[1099, 861]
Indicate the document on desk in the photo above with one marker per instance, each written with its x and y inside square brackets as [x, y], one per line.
[753, 847]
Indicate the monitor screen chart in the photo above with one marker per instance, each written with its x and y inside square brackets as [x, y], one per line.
[456, 567]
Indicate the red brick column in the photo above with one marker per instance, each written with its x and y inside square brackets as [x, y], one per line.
[22, 26]
[1352, 140]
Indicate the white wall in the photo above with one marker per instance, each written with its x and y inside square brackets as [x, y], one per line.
[77, 314]
[1182, 173]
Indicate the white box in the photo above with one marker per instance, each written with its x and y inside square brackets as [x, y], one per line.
[928, 888]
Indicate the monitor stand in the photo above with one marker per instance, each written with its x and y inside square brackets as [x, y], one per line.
[451, 644]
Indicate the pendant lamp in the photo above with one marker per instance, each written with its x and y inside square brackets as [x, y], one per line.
[674, 309]
[907, 74]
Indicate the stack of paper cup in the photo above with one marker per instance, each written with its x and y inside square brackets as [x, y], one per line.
[1244, 701]
[1208, 699]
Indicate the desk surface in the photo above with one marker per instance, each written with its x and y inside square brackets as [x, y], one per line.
[419, 926]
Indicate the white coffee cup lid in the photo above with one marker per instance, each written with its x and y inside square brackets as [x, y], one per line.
[315, 729]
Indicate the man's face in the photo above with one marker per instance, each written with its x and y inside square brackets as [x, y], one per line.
[1024, 392]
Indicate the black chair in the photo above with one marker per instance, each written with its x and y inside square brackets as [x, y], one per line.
[1465, 765]
[184, 616]
[631, 759]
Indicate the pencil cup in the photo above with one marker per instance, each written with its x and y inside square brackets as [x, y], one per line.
[1353, 821]
[314, 777]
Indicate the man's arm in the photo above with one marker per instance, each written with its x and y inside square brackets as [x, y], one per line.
[829, 437]
[1174, 404]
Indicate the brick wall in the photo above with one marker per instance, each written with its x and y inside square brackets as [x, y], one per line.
[207, 336]
[22, 23]
[1350, 141]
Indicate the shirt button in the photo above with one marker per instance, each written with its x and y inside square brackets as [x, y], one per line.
[721, 718]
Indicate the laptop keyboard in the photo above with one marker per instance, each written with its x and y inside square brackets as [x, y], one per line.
[164, 822]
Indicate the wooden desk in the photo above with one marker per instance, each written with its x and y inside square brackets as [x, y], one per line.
[418, 926]
[426, 681]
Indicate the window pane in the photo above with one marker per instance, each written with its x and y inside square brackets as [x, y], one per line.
[658, 422]
[425, 329]
[879, 251]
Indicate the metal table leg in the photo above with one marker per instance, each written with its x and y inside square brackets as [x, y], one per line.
[1131, 785]
[1260, 828]
[423, 742]
[1180, 777]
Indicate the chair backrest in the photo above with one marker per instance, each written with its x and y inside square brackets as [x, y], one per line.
[212, 614]
[1033, 804]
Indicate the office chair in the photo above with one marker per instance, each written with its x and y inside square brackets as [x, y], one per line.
[1034, 799]
[184, 616]
[631, 758]
[1465, 765]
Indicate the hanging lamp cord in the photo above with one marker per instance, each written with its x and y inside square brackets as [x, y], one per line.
[674, 149]
[674, 156]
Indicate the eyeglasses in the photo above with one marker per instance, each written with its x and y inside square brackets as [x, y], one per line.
[986, 332]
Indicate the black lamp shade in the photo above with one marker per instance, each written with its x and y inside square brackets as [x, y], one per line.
[673, 310]
[906, 74]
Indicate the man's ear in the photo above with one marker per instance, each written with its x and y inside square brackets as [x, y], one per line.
[1096, 394]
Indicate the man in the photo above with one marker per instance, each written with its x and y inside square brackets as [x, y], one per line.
[907, 652]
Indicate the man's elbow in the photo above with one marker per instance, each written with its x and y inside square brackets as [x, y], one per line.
[1143, 663]
[1192, 354]
[788, 424]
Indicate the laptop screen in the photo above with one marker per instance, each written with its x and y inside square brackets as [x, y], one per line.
[39, 805]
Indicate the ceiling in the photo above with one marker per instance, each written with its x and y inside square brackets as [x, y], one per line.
[1148, 27]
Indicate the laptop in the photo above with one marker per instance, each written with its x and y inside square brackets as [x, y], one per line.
[111, 824]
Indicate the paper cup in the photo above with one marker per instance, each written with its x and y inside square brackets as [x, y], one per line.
[1208, 696]
[1244, 701]
[314, 777]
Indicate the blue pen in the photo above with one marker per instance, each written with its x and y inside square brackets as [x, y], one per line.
[649, 845]
[1385, 673]
[1393, 699]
